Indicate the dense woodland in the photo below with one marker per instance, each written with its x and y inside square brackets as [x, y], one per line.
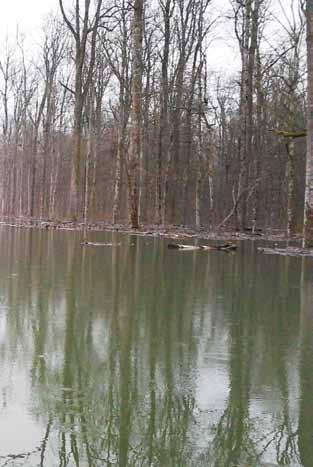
[119, 115]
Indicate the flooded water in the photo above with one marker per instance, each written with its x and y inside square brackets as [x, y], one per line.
[142, 356]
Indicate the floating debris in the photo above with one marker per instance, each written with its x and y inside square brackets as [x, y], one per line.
[100, 244]
[223, 247]
[289, 251]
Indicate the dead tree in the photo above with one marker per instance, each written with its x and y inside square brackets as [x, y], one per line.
[83, 28]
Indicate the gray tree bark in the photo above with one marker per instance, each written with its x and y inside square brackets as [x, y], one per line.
[134, 151]
[308, 203]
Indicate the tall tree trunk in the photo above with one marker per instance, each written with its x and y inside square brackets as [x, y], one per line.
[74, 206]
[258, 143]
[250, 91]
[50, 114]
[33, 176]
[290, 176]
[199, 159]
[118, 172]
[84, 35]
[136, 116]
[89, 155]
[121, 149]
[94, 160]
[144, 160]
[308, 202]
[248, 45]
[167, 11]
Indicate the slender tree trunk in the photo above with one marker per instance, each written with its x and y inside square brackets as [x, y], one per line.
[94, 159]
[290, 176]
[240, 212]
[258, 143]
[118, 172]
[199, 162]
[74, 206]
[248, 46]
[143, 162]
[308, 203]
[250, 93]
[176, 140]
[81, 31]
[90, 145]
[136, 116]
[45, 187]
[54, 181]
[120, 155]
[163, 125]
[33, 176]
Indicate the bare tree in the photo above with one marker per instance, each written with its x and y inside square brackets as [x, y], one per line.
[117, 52]
[53, 53]
[308, 204]
[167, 9]
[135, 145]
[247, 25]
[82, 28]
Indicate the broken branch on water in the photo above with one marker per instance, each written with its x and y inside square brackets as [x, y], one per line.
[223, 247]
[99, 244]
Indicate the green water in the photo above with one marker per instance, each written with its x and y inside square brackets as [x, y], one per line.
[142, 356]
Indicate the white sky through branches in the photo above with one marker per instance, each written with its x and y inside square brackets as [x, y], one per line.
[29, 15]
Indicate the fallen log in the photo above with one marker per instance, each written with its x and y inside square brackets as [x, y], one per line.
[178, 246]
[99, 244]
[290, 251]
[223, 247]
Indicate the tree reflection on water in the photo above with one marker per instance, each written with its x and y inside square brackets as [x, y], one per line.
[117, 341]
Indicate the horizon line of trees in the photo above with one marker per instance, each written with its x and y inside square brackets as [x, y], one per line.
[120, 117]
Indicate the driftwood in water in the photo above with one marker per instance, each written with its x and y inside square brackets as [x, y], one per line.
[223, 247]
[178, 246]
[99, 244]
[290, 251]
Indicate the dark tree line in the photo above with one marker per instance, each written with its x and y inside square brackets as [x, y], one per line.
[121, 117]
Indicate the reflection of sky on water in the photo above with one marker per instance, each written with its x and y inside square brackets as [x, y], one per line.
[20, 431]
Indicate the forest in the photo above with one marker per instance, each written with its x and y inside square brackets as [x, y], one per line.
[119, 116]
[149, 142]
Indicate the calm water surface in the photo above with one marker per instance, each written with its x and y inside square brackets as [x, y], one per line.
[143, 356]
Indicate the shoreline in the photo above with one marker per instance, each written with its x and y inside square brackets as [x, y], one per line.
[152, 230]
[283, 245]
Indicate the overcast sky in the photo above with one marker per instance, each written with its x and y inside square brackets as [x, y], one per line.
[29, 16]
